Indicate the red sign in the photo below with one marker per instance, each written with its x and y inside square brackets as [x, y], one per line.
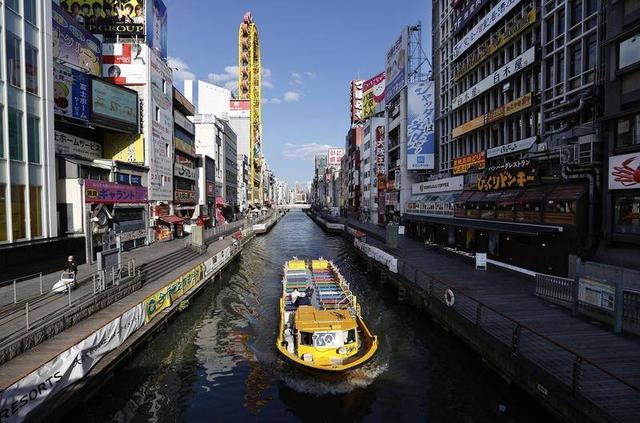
[162, 210]
[211, 189]
[334, 155]
[112, 193]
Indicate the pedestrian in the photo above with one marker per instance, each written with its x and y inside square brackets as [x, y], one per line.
[296, 295]
[288, 338]
[71, 266]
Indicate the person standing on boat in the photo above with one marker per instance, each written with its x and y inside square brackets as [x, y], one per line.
[295, 295]
[288, 338]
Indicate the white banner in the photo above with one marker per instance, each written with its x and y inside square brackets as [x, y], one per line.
[72, 365]
[512, 147]
[624, 171]
[516, 65]
[489, 20]
[184, 171]
[439, 185]
[71, 145]
[377, 254]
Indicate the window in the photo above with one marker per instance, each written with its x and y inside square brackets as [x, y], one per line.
[592, 51]
[560, 68]
[157, 114]
[592, 6]
[629, 52]
[15, 134]
[18, 212]
[30, 10]
[575, 65]
[13, 5]
[628, 131]
[631, 6]
[576, 12]
[13, 60]
[3, 212]
[33, 138]
[35, 212]
[626, 215]
[31, 68]
[549, 24]
[561, 23]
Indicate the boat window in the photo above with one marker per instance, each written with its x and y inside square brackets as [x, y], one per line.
[306, 338]
[327, 339]
[350, 336]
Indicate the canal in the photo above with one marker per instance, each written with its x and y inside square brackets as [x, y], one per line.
[217, 360]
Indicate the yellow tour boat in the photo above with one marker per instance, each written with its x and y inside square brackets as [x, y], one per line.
[321, 326]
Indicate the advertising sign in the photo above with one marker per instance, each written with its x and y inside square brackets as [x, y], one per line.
[486, 23]
[512, 147]
[185, 196]
[439, 185]
[506, 71]
[516, 174]
[498, 41]
[112, 193]
[184, 147]
[19, 399]
[463, 164]
[420, 129]
[373, 94]
[70, 93]
[161, 163]
[114, 106]
[183, 122]
[470, 10]
[73, 44]
[124, 147]
[495, 115]
[125, 63]
[624, 171]
[109, 17]
[184, 171]
[211, 189]
[380, 151]
[239, 108]
[396, 66]
[356, 102]
[157, 27]
[596, 293]
[71, 145]
[334, 155]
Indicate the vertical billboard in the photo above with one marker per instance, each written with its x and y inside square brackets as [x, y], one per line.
[334, 156]
[108, 17]
[74, 45]
[373, 94]
[157, 27]
[70, 93]
[380, 150]
[161, 131]
[125, 63]
[420, 129]
[356, 102]
[396, 66]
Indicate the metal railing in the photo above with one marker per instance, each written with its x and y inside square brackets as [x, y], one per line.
[580, 376]
[555, 288]
[17, 289]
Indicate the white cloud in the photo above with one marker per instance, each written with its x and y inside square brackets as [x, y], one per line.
[299, 78]
[229, 78]
[306, 151]
[311, 75]
[181, 70]
[275, 100]
[291, 96]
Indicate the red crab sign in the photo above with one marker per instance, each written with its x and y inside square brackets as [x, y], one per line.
[624, 171]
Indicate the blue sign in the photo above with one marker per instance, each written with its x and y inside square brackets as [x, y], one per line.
[122, 178]
[73, 44]
[394, 87]
[157, 27]
[136, 180]
[70, 93]
[420, 126]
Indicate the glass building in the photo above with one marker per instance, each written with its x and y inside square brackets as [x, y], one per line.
[26, 117]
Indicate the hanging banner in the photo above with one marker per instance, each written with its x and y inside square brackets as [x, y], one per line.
[516, 174]
[506, 71]
[373, 94]
[463, 164]
[396, 66]
[125, 63]
[74, 45]
[71, 145]
[420, 128]
[18, 400]
[164, 297]
[70, 93]
[487, 22]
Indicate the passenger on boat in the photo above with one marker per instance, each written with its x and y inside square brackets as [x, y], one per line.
[288, 338]
[295, 295]
[309, 291]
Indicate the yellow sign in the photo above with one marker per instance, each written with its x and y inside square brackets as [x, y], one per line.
[499, 41]
[164, 297]
[463, 164]
[124, 147]
[184, 147]
[495, 115]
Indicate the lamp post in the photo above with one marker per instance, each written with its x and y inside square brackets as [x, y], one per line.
[85, 225]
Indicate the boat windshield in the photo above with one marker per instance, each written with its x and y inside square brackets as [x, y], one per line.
[327, 339]
[349, 336]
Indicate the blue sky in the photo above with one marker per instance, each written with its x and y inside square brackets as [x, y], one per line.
[311, 51]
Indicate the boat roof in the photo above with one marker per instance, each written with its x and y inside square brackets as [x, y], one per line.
[310, 319]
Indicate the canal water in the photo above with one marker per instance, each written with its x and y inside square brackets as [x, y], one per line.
[217, 360]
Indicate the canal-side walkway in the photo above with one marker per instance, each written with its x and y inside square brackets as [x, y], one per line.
[504, 302]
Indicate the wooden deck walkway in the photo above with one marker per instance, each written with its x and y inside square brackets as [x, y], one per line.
[586, 356]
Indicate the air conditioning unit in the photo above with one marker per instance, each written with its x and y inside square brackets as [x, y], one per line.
[568, 154]
[588, 150]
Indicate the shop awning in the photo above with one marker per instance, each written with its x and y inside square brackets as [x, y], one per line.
[492, 197]
[450, 197]
[465, 196]
[171, 219]
[509, 196]
[476, 197]
[535, 195]
[487, 225]
[567, 192]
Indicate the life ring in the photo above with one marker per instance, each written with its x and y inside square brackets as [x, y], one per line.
[449, 298]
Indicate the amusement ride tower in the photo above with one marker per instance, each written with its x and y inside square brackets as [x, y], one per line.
[249, 88]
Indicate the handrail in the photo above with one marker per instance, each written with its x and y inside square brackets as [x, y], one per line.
[529, 329]
[19, 279]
